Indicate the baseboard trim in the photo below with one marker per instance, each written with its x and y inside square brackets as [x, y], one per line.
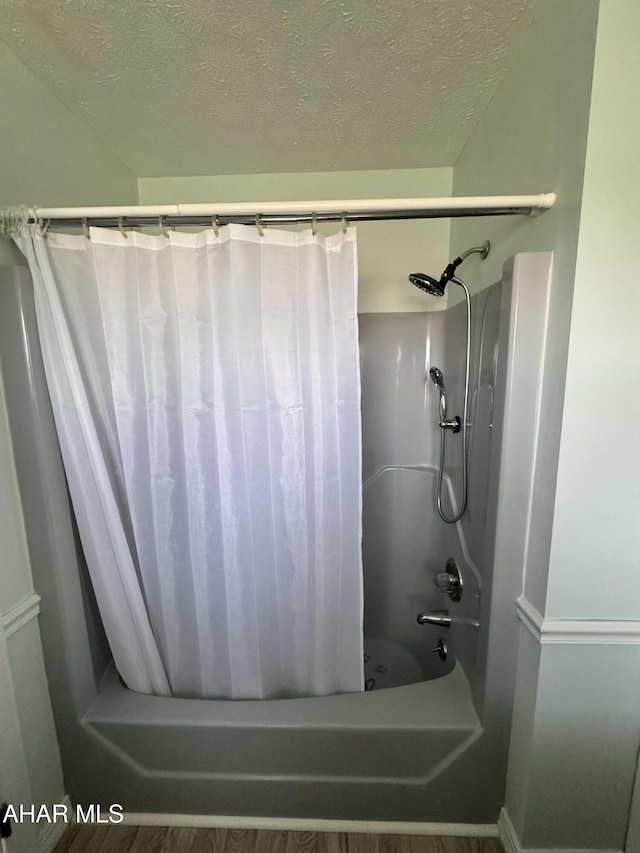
[511, 842]
[507, 833]
[576, 631]
[21, 614]
[52, 832]
[293, 824]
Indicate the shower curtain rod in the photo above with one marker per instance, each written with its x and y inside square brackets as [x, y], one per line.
[288, 212]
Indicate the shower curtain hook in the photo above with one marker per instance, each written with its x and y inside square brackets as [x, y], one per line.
[162, 227]
[85, 228]
[314, 224]
[42, 227]
[215, 224]
[121, 227]
[344, 223]
[259, 225]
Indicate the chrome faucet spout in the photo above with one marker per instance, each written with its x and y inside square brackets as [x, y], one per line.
[436, 617]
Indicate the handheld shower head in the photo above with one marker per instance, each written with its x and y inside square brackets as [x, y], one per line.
[437, 378]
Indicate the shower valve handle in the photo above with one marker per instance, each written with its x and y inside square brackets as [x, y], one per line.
[450, 581]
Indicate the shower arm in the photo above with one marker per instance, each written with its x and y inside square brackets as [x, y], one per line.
[450, 271]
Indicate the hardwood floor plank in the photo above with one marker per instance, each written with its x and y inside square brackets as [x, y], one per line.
[408, 844]
[302, 842]
[491, 845]
[160, 839]
[271, 841]
[149, 839]
[332, 842]
[116, 839]
[84, 839]
[224, 841]
[204, 841]
[357, 842]
[239, 841]
[65, 839]
[81, 839]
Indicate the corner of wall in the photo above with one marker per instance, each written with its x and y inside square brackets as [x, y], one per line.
[50, 157]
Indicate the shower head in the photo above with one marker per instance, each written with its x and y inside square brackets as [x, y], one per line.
[437, 378]
[436, 287]
[428, 284]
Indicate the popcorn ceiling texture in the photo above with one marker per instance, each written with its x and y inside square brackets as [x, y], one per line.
[188, 87]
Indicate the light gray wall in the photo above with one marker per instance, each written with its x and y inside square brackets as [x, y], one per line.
[583, 747]
[49, 157]
[23, 645]
[587, 721]
[596, 528]
[532, 138]
[387, 251]
[576, 725]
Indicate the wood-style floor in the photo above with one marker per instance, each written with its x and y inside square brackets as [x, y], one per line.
[146, 839]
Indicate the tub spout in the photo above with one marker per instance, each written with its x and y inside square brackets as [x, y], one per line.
[436, 617]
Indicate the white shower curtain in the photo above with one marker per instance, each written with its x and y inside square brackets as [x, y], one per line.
[206, 394]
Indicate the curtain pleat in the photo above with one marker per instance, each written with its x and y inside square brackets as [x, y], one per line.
[207, 397]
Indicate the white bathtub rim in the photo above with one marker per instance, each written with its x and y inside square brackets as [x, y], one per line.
[115, 702]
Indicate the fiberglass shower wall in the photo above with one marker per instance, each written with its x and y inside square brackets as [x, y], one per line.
[404, 540]
[418, 752]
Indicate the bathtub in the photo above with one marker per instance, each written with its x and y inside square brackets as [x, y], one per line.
[429, 740]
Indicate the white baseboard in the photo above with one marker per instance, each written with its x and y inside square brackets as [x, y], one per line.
[507, 833]
[52, 832]
[373, 827]
[511, 842]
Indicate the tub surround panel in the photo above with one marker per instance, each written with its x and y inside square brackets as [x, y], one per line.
[35, 750]
[404, 543]
[52, 538]
[408, 753]
[490, 311]
[510, 374]
[403, 535]
[15, 578]
[516, 427]
[398, 404]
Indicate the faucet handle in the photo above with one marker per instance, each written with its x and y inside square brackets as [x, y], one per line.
[443, 581]
[450, 581]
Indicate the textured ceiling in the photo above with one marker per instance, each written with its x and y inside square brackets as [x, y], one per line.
[188, 87]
